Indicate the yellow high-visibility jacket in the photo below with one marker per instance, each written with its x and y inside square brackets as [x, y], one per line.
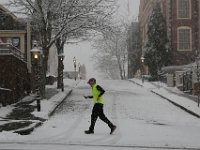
[95, 94]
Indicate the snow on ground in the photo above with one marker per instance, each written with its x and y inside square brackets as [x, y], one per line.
[36, 146]
[161, 89]
[189, 104]
[143, 119]
[5, 110]
[46, 105]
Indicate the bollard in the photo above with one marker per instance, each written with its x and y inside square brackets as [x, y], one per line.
[38, 103]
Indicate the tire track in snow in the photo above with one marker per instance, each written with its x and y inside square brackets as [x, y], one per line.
[117, 133]
[66, 134]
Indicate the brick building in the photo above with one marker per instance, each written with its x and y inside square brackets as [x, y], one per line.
[182, 17]
[14, 75]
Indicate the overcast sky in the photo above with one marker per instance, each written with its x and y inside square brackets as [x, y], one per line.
[83, 51]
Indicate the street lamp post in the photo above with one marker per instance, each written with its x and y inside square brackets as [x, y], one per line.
[74, 60]
[142, 68]
[36, 59]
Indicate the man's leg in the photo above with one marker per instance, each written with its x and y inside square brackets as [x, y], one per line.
[105, 119]
[93, 121]
[94, 117]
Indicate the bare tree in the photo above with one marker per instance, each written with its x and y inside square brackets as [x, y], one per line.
[111, 56]
[61, 20]
[80, 18]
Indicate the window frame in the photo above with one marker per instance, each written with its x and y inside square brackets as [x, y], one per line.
[178, 38]
[190, 12]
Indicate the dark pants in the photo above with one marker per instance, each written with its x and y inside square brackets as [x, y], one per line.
[97, 111]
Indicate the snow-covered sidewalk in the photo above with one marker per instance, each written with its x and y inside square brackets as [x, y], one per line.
[171, 94]
[47, 105]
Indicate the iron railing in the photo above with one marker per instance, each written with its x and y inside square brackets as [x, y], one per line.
[9, 49]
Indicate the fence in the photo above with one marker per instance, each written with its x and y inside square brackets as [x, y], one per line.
[9, 49]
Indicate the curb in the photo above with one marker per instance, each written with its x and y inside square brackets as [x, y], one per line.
[176, 104]
[28, 130]
[54, 109]
[136, 83]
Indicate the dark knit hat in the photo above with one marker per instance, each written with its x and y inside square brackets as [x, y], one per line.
[91, 80]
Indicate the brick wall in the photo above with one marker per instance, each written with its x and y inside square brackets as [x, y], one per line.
[13, 76]
[184, 57]
[169, 8]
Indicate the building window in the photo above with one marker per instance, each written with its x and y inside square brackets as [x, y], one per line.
[184, 39]
[184, 9]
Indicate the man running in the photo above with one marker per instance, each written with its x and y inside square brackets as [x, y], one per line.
[97, 92]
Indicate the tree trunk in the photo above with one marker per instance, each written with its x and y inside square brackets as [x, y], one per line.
[60, 46]
[59, 72]
[120, 68]
[44, 64]
[124, 71]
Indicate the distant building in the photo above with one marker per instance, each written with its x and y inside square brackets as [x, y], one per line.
[182, 17]
[80, 73]
[70, 74]
[134, 49]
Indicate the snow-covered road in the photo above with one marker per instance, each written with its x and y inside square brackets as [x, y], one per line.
[143, 121]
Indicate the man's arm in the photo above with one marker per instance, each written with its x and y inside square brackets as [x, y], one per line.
[86, 97]
[99, 88]
[102, 91]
